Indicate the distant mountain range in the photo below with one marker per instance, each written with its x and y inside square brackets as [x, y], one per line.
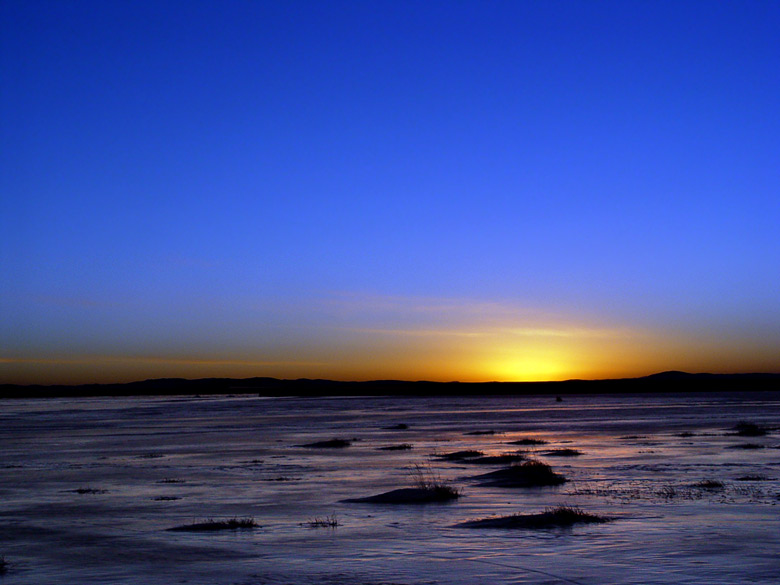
[662, 382]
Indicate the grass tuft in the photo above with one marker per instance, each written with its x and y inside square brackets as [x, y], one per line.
[214, 525]
[709, 484]
[559, 517]
[324, 522]
[428, 488]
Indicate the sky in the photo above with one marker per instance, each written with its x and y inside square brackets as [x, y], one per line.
[459, 190]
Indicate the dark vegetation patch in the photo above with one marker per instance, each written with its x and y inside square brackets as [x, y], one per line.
[283, 478]
[531, 473]
[166, 498]
[150, 456]
[401, 447]
[490, 432]
[171, 480]
[749, 429]
[753, 478]
[632, 437]
[746, 446]
[686, 434]
[528, 441]
[214, 525]
[89, 490]
[332, 444]
[411, 496]
[503, 459]
[459, 455]
[4, 564]
[560, 517]
[564, 453]
[428, 488]
[709, 484]
[398, 427]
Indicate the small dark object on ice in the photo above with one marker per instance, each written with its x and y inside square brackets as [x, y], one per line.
[563, 453]
[83, 491]
[332, 444]
[401, 447]
[749, 429]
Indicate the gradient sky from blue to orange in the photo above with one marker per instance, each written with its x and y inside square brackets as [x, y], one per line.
[355, 190]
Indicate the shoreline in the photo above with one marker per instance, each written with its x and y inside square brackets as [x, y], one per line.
[666, 382]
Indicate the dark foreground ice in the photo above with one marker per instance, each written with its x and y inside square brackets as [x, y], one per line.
[89, 488]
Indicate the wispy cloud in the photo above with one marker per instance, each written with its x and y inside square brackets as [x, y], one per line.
[450, 317]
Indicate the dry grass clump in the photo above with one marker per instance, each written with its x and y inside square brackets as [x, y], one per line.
[428, 488]
[401, 447]
[503, 459]
[332, 444]
[324, 522]
[559, 517]
[528, 441]
[214, 525]
[89, 490]
[530, 473]
[460, 455]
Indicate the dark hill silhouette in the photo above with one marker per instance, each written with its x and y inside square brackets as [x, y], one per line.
[672, 381]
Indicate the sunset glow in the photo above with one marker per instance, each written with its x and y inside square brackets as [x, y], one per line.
[364, 190]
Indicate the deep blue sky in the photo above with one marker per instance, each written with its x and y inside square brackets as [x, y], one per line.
[450, 190]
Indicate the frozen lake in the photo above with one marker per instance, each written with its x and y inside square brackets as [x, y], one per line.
[89, 487]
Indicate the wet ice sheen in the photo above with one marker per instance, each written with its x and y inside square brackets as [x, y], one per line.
[225, 457]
